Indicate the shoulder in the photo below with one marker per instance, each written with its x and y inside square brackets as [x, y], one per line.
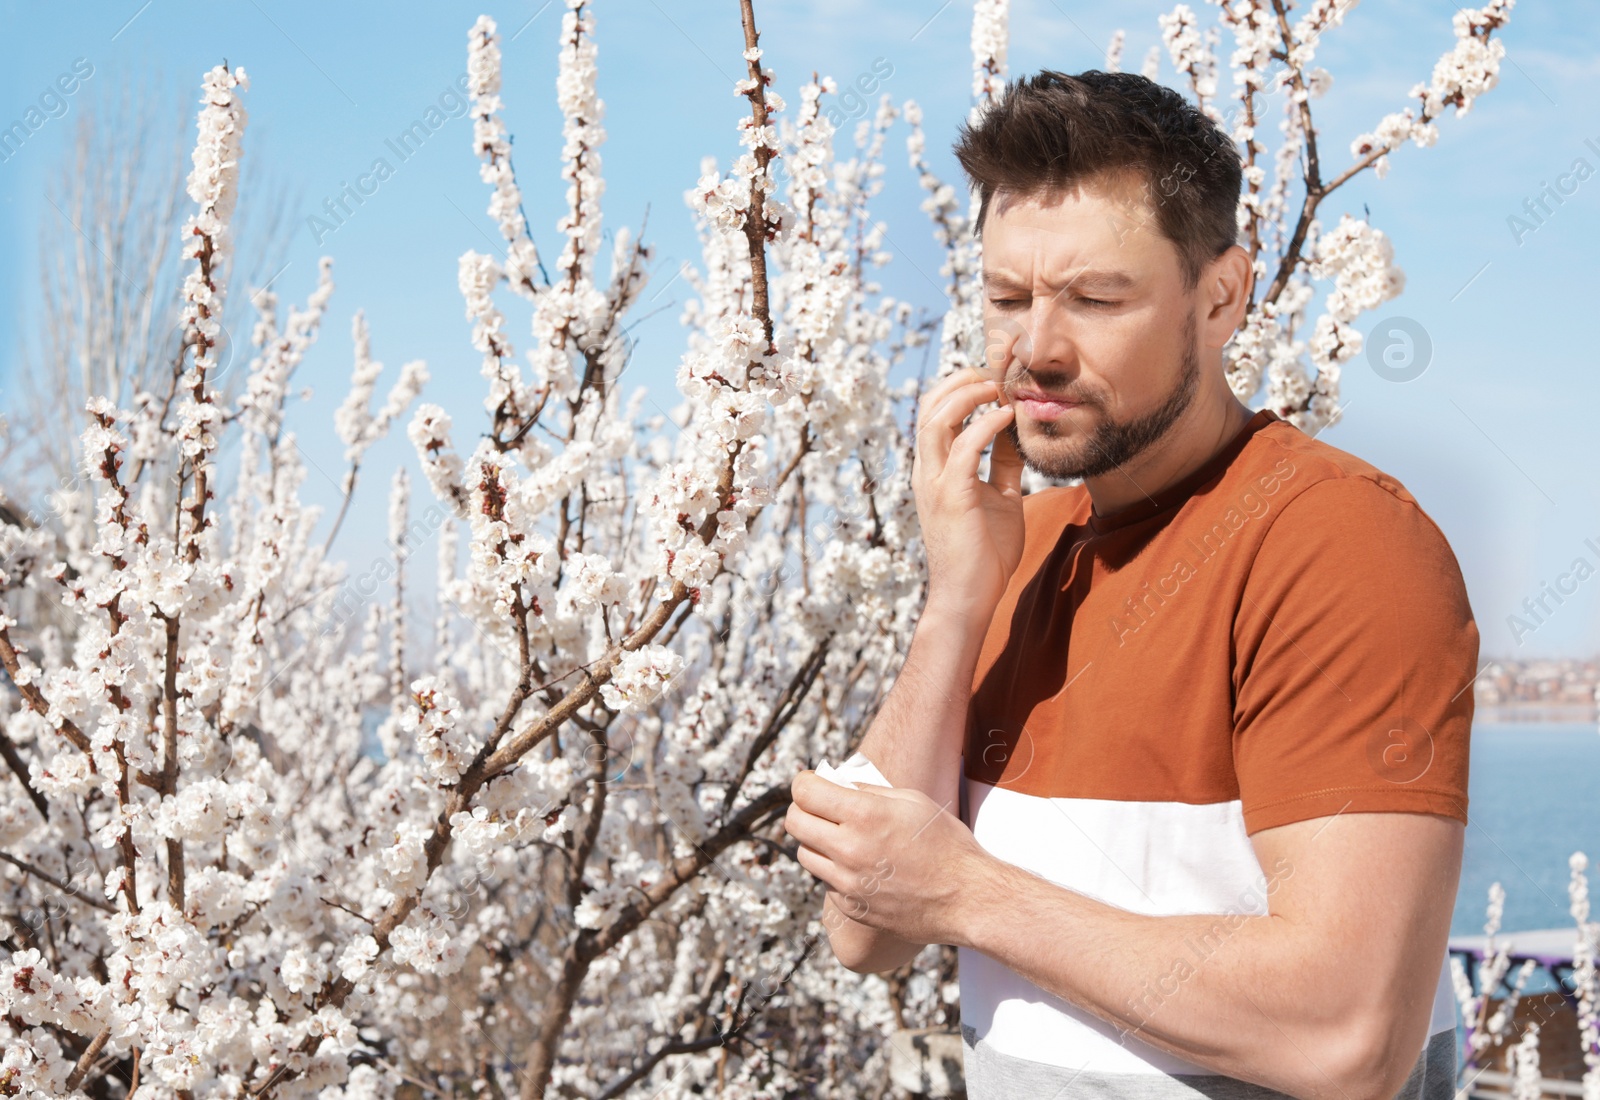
[1329, 497]
[1312, 460]
[1347, 551]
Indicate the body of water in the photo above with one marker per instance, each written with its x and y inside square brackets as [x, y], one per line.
[1533, 799]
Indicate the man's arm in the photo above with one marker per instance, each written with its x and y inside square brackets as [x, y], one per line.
[915, 741]
[1329, 995]
[973, 533]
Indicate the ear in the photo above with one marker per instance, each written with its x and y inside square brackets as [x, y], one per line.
[1227, 283]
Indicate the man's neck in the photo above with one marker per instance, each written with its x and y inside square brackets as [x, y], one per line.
[1205, 428]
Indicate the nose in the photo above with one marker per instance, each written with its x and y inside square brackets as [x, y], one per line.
[1051, 346]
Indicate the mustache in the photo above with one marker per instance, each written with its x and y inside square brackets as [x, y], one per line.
[1025, 381]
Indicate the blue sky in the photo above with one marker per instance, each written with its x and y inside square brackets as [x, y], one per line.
[1496, 438]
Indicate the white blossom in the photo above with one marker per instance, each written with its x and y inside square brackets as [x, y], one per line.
[403, 815]
[640, 676]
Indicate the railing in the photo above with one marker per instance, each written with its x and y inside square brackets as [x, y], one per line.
[1489, 1084]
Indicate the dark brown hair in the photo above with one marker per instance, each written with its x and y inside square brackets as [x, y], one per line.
[1050, 132]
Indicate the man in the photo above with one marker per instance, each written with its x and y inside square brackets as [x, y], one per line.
[1179, 754]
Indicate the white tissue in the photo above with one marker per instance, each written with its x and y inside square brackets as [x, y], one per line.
[857, 769]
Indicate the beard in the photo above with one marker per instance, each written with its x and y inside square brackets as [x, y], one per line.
[1110, 445]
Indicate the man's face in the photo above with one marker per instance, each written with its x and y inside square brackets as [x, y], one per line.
[1084, 302]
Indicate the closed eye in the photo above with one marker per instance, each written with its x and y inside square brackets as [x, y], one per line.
[1014, 303]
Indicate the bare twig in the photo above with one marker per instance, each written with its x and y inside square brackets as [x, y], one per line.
[65, 887]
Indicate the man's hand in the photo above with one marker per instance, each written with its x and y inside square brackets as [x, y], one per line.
[972, 529]
[895, 860]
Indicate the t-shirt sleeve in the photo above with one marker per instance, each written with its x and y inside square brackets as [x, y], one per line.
[1355, 655]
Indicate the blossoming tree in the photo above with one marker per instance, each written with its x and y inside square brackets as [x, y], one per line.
[554, 863]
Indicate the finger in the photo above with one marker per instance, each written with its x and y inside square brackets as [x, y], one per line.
[1005, 463]
[943, 386]
[814, 832]
[959, 377]
[936, 435]
[977, 391]
[968, 447]
[821, 797]
[942, 422]
[820, 866]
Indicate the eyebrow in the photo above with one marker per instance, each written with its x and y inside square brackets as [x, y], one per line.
[1083, 280]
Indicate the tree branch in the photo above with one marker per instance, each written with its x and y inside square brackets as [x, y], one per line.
[19, 768]
[65, 887]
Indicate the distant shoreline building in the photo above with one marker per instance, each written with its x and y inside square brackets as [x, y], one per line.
[1551, 689]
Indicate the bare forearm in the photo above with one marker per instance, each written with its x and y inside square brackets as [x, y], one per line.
[916, 738]
[915, 741]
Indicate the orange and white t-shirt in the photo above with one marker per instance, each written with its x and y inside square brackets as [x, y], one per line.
[1283, 634]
